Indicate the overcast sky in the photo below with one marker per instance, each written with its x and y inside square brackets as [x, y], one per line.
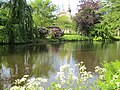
[65, 3]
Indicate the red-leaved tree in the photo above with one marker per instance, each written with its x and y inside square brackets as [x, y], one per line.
[87, 16]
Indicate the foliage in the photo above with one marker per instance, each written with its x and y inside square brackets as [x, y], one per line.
[4, 11]
[109, 78]
[31, 84]
[43, 12]
[87, 16]
[65, 23]
[110, 22]
[43, 32]
[17, 22]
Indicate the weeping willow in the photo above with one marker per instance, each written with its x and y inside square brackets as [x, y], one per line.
[20, 23]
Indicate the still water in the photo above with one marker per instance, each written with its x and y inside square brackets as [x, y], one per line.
[44, 60]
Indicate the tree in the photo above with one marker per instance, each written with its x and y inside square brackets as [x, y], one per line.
[4, 11]
[20, 22]
[43, 13]
[17, 22]
[65, 23]
[87, 17]
[110, 22]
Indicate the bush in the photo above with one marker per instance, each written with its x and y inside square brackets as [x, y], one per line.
[43, 32]
[55, 32]
[110, 78]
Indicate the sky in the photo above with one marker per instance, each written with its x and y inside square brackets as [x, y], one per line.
[64, 4]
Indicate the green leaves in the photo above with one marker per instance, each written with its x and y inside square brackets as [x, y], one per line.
[43, 12]
[110, 21]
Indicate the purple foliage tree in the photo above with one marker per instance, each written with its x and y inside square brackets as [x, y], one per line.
[87, 16]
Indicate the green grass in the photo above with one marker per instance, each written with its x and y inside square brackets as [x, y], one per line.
[74, 37]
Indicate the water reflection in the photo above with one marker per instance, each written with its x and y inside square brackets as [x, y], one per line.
[44, 60]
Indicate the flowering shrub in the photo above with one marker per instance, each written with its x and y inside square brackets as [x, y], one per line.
[55, 32]
[75, 79]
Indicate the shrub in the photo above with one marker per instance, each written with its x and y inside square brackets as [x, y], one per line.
[55, 32]
[43, 32]
[109, 78]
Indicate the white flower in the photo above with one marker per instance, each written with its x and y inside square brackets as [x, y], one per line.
[102, 77]
[32, 80]
[118, 84]
[115, 77]
[15, 88]
[82, 68]
[119, 70]
[58, 85]
[23, 80]
[90, 75]
[44, 80]
[74, 77]
[22, 88]
[25, 76]
[64, 67]
[103, 69]
[41, 88]
[77, 64]
[81, 62]
[63, 81]
[60, 75]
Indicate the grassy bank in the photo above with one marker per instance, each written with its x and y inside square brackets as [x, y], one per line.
[74, 37]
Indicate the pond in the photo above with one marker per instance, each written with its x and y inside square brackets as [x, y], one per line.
[44, 60]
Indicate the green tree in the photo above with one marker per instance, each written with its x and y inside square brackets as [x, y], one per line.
[43, 13]
[20, 22]
[65, 23]
[4, 11]
[110, 21]
[16, 22]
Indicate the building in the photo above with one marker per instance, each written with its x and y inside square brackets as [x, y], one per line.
[66, 13]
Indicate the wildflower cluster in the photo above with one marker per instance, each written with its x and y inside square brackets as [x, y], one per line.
[116, 80]
[109, 76]
[100, 72]
[75, 79]
[67, 79]
[29, 84]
